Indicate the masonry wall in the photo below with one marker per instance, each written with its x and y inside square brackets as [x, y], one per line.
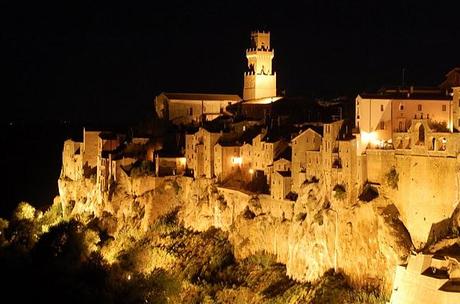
[379, 163]
[427, 193]
[90, 148]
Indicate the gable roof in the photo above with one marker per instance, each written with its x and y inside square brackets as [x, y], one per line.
[306, 130]
[200, 96]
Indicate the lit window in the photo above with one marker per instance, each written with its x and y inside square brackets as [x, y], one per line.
[444, 108]
[419, 107]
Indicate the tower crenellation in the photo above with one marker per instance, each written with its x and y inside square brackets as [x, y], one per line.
[259, 80]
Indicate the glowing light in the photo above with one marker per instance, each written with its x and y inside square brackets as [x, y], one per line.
[251, 171]
[237, 160]
[182, 161]
[129, 277]
[370, 137]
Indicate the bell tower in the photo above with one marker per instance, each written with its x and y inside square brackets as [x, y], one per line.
[259, 80]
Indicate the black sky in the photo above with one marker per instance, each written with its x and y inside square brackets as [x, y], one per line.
[94, 61]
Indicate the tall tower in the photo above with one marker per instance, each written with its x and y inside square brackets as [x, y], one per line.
[259, 80]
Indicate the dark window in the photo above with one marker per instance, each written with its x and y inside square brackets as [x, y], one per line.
[381, 108]
[421, 134]
[382, 125]
[444, 108]
[190, 112]
[419, 107]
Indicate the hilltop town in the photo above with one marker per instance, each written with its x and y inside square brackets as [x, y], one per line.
[374, 196]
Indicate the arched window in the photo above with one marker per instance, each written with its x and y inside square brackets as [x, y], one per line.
[421, 134]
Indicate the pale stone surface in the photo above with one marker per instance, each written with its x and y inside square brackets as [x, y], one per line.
[370, 242]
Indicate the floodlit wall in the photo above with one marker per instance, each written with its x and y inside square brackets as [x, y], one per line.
[427, 193]
[308, 140]
[72, 160]
[280, 185]
[227, 161]
[90, 148]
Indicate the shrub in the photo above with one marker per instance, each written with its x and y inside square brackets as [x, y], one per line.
[142, 168]
[369, 193]
[300, 217]
[339, 192]
[439, 126]
[319, 218]
[392, 178]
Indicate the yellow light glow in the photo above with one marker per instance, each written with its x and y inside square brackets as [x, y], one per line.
[251, 171]
[370, 137]
[182, 161]
[237, 160]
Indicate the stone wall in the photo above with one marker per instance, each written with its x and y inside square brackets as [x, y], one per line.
[427, 194]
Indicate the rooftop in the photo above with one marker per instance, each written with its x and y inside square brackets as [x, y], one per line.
[417, 93]
[201, 96]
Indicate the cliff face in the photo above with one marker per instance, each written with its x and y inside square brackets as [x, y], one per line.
[365, 241]
[316, 233]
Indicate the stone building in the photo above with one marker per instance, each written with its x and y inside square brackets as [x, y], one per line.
[281, 177]
[199, 152]
[192, 108]
[90, 150]
[72, 160]
[307, 140]
[227, 160]
[281, 184]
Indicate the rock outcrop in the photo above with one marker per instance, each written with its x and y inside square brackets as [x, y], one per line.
[310, 236]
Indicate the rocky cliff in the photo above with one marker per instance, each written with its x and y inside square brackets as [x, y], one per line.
[317, 233]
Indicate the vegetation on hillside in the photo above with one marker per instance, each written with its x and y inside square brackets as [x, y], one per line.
[53, 259]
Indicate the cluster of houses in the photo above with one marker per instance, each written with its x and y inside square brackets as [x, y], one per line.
[238, 141]
[274, 144]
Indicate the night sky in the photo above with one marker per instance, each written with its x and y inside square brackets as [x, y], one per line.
[82, 61]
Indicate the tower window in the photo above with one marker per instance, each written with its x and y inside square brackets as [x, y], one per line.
[401, 107]
[382, 125]
[190, 111]
[444, 108]
[381, 108]
[419, 107]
